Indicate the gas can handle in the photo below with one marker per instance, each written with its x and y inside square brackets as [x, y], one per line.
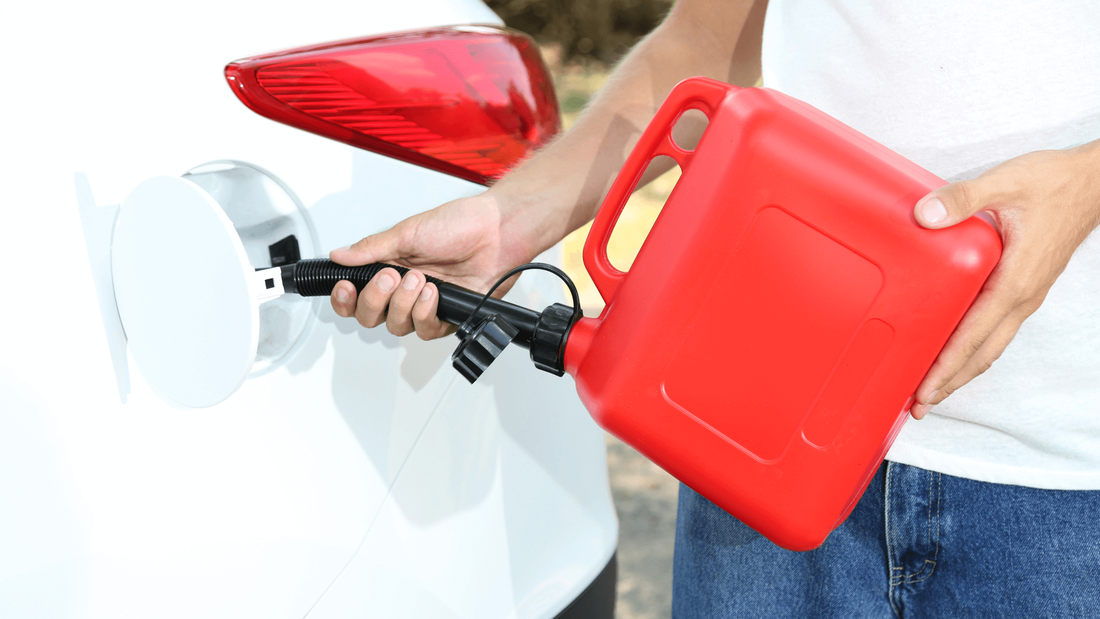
[693, 93]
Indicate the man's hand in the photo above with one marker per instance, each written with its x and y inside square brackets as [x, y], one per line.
[1044, 204]
[473, 241]
[469, 242]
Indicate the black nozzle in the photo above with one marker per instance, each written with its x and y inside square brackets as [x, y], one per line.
[317, 278]
[543, 333]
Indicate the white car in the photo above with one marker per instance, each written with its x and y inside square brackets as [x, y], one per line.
[345, 472]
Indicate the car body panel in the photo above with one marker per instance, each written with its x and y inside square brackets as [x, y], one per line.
[118, 504]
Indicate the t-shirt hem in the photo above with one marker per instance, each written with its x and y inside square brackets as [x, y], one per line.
[913, 455]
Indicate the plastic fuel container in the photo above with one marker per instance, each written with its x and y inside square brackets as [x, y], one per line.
[765, 345]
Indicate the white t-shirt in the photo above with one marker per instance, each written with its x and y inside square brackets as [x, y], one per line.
[959, 86]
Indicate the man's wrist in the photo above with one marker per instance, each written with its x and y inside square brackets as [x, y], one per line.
[532, 218]
[1087, 169]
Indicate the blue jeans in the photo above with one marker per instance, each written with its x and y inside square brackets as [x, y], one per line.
[919, 544]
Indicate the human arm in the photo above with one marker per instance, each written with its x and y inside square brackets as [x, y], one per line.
[472, 241]
[1044, 205]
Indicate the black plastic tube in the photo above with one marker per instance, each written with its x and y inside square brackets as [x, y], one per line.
[317, 278]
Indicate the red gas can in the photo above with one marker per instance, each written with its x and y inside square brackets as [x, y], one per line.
[766, 343]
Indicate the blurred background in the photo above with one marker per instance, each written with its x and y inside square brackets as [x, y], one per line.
[584, 30]
[580, 41]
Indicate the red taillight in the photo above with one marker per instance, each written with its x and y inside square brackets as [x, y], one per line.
[469, 101]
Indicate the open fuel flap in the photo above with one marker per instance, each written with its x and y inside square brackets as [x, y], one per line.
[187, 258]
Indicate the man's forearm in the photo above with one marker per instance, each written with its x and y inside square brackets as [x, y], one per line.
[560, 188]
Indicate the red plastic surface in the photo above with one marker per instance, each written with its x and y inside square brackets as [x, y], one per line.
[765, 344]
[469, 101]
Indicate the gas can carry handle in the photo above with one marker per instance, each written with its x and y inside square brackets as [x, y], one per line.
[693, 93]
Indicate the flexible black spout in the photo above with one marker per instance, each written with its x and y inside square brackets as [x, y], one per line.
[317, 278]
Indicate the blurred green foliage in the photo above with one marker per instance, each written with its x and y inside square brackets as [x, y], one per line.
[596, 29]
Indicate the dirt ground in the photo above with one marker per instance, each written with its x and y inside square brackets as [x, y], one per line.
[645, 499]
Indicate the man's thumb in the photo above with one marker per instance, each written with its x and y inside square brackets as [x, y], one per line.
[379, 247]
[950, 204]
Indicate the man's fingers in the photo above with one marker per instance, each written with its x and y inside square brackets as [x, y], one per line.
[978, 325]
[343, 298]
[399, 315]
[404, 304]
[428, 325]
[982, 360]
[370, 310]
[991, 349]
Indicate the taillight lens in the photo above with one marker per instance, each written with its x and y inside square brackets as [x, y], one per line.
[469, 101]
